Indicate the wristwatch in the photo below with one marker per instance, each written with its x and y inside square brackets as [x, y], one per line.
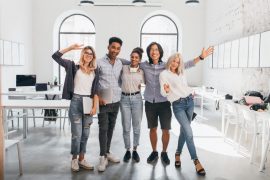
[201, 58]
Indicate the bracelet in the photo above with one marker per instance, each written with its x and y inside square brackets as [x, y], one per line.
[201, 58]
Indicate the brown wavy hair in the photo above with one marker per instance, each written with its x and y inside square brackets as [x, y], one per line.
[92, 65]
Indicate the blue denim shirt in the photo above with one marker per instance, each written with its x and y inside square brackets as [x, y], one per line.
[152, 86]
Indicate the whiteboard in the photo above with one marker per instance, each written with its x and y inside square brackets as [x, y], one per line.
[254, 50]
[265, 49]
[21, 54]
[7, 53]
[235, 53]
[227, 54]
[243, 52]
[215, 57]
[221, 56]
[1, 52]
[15, 53]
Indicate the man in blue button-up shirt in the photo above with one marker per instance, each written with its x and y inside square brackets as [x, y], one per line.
[109, 71]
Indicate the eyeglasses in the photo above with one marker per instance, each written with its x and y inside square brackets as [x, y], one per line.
[88, 54]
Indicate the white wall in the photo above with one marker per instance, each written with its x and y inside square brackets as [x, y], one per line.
[228, 20]
[16, 25]
[124, 22]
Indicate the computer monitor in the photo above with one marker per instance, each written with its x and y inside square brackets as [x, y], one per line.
[26, 80]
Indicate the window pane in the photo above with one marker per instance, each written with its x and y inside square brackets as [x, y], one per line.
[77, 23]
[159, 24]
[168, 43]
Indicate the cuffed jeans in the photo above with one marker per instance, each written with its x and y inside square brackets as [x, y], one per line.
[131, 111]
[80, 125]
[183, 110]
[106, 120]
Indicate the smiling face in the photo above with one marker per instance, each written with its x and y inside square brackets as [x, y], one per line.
[175, 64]
[135, 59]
[154, 53]
[88, 56]
[114, 49]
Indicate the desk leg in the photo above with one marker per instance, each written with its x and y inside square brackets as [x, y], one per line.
[5, 122]
[202, 105]
[223, 121]
[24, 123]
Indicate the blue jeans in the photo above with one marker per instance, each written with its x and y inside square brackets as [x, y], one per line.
[131, 111]
[183, 110]
[80, 125]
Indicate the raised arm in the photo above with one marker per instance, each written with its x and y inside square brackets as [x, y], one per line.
[205, 53]
[57, 56]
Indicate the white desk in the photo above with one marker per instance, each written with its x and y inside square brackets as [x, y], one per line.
[32, 104]
[205, 95]
[32, 93]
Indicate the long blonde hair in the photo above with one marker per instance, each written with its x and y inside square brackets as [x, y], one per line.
[92, 65]
[181, 67]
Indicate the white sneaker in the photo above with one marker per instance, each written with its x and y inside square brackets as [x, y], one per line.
[113, 158]
[84, 164]
[103, 162]
[75, 165]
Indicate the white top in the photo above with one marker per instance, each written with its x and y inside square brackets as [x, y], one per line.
[131, 81]
[178, 85]
[83, 82]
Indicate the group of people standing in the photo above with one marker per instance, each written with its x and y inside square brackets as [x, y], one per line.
[165, 85]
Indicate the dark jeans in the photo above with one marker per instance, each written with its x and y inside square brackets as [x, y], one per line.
[106, 120]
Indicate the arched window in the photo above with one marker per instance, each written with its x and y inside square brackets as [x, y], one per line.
[76, 28]
[163, 30]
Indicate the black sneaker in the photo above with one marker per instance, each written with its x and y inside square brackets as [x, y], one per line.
[165, 158]
[152, 157]
[127, 156]
[135, 156]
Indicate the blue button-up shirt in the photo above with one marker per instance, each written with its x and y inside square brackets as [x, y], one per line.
[152, 86]
[109, 77]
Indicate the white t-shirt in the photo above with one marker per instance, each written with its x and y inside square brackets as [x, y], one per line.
[83, 82]
[177, 83]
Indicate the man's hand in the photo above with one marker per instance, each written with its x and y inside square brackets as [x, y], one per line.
[207, 52]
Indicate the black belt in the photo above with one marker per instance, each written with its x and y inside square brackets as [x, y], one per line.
[131, 94]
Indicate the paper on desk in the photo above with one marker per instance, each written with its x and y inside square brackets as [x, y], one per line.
[87, 105]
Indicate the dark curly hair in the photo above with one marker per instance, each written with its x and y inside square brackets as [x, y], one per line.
[138, 50]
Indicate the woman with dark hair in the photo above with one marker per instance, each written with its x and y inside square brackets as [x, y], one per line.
[80, 81]
[156, 105]
[131, 103]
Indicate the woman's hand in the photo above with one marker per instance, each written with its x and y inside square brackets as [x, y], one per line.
[76, 46]
[93, 111]
[207, 52]
[166, 88]
[71, 47]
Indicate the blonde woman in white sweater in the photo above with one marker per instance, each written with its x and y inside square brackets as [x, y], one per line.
[174, 86]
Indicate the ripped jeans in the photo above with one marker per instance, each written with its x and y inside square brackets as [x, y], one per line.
[80, 125]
